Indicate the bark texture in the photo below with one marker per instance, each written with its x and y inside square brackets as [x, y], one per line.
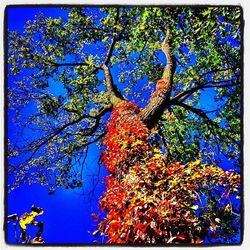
[160, 98]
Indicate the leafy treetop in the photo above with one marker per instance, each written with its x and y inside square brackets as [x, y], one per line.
[70, 71]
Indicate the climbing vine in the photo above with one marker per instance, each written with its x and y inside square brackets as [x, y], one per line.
[151, 200]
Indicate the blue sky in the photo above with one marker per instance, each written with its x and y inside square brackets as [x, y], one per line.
[67, 213]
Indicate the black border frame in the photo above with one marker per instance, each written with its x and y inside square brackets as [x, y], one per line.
[242, 204]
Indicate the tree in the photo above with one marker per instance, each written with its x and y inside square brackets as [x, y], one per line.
[170, 77]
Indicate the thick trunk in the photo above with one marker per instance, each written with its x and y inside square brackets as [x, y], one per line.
[138, 205]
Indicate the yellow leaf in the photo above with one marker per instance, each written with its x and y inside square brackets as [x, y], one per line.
[163, 213]
[195, 207]
[157, 156]
[158, 183]
[195, 163]
[138, 142]
[157, 150]
[174, 181]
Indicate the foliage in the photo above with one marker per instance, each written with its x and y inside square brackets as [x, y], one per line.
[59, 94]
[149, 200]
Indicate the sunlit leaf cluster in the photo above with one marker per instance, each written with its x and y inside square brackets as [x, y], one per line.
[151, 200]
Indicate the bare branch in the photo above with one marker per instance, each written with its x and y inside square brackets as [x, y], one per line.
[54, 134]
[199, 112]
[73, 64]
[103, 111]
[185, 94]
[113, 93]
[84, 160]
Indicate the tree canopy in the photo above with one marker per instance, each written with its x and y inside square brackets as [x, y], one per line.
[177, 68]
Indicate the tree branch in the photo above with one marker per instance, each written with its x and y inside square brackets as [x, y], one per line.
[185, 94]
[160, 98]
[97, 116]
[69, 64]
[199, 112]
[170, 66]
[213, 71]
[110, 51]
[112, 45]
[203, 115]
[113, 93]
[84, 160]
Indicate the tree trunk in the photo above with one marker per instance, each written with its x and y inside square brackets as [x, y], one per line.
[136, 165]
[135, 200]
